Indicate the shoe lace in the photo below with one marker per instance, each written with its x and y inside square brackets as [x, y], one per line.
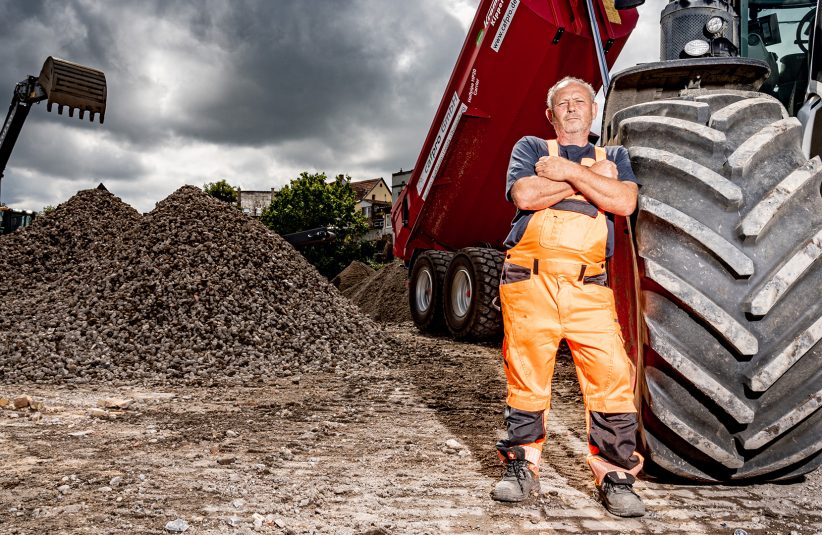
[517, 469]
[618, 488]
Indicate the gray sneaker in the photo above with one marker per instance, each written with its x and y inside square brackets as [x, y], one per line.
[518, 482]
[618, 496]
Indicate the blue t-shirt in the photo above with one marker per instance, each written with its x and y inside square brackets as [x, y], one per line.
[524, 157]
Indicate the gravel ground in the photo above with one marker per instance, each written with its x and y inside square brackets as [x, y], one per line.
[384, 295]
[405, 449]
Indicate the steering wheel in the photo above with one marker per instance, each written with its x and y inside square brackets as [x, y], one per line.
[807, 20]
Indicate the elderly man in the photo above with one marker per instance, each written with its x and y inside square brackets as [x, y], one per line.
[554, 286]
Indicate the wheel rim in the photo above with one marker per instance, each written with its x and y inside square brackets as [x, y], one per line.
[423, 290]
[461, 293]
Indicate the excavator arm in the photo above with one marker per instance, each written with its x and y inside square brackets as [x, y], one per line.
[61, 82]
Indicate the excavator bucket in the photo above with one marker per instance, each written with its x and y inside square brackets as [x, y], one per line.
[74, 86]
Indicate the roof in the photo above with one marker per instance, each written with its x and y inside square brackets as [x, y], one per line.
[362, 187]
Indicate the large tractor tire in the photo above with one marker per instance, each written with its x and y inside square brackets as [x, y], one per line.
[471, 288]
[729, 238]
[425, 284]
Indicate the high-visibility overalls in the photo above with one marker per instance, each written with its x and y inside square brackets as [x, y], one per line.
[553, 288]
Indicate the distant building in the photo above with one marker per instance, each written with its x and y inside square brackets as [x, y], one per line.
[254, 202]
[398, 181]
[374, 201]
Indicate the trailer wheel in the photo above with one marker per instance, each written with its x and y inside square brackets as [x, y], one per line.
[425, 289]
[471, 285]
[729, 240]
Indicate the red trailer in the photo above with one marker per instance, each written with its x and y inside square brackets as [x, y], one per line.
[515, 50]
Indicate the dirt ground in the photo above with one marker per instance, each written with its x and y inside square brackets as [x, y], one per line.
[357, 453]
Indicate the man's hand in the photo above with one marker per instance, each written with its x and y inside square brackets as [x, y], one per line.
[606, 168]
[555, 168]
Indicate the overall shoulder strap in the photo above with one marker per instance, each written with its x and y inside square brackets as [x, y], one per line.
[600, 153]
[553, 147]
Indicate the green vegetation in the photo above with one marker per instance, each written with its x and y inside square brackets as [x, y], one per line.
[312, 201]
[222, 190]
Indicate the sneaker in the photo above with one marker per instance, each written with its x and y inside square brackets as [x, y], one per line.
[617, 494]
[518, 482]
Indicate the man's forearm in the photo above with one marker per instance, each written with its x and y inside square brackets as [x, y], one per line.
[608, 194]
[538, 193]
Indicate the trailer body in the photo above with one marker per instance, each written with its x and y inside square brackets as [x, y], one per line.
[515, 50]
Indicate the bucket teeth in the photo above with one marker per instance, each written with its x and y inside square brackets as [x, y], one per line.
[74, 86]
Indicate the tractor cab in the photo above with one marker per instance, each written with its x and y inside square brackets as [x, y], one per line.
[780, 33]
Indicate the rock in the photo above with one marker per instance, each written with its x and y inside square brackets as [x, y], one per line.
[177, 526]
[279, 522]
[37, 405]
[80, 433]
[37, 416]
[258, 520]
[226, 460]
[62, 489]
[4, 402]
[231, 433]
[104, 489]
[115, 403]
[21, 402]
[98, 413]
[453, 443]
[234, 521]
[115, 481]
[239, 503]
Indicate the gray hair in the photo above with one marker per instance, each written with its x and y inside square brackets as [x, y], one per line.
[565, 81]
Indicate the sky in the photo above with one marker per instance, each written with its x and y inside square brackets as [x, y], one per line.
[250, 91]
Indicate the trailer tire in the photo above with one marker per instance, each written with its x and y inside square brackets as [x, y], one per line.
[729, 244]
[471, 287]
[425, 286]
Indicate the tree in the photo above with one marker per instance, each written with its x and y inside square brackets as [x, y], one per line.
[311, 201]
[221, 190]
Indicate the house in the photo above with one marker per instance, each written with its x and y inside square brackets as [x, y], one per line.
[374, 201]
[398, 181]
[254, 202]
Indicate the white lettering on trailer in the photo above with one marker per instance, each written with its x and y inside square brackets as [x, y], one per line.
[441, 157]
[504, 25]
[493, 13]
[429, 163]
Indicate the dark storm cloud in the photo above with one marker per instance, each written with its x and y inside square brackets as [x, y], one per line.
[319, 82]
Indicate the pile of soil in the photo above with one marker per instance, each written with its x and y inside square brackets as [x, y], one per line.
[191, 292]
[351, 276]
[384, 295]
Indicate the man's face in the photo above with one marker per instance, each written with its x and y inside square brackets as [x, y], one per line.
[573, 110]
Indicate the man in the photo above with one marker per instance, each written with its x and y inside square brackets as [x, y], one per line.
[554, 286]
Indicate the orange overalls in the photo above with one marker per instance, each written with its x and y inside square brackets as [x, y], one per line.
[546, 295]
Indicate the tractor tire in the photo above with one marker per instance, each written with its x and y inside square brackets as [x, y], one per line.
[425, 286]
[729, 240]
[471, 289]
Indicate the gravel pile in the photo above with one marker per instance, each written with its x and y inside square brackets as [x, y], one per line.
[351, 276]
[193, 292]
[384, 295]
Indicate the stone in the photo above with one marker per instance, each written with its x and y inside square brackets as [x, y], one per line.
[4, 402]
[21, 402]
[279, 522]
[177, 526]
[115, 403]
[37, 405]
[233, 521]
[80, 433]
[453, 444]
[98, 413]
[115, 481]
[231, 433]
[105, 489]
[62, 489]
[226, 460]
[239, 503]
[258, 520]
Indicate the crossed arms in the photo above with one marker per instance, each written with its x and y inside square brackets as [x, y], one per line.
[558, 178]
